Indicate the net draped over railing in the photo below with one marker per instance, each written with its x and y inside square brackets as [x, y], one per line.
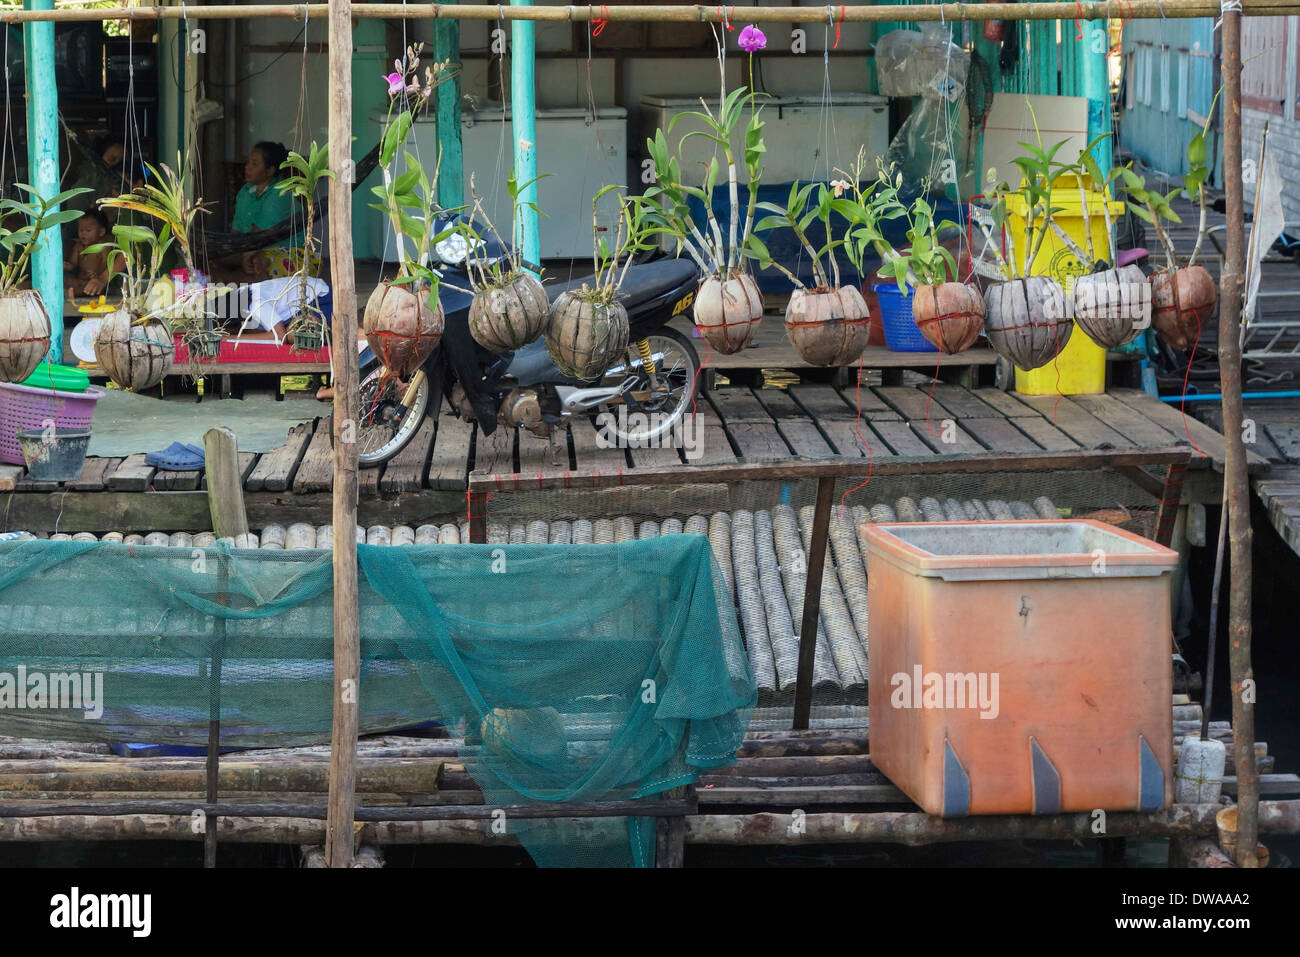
[579, 673]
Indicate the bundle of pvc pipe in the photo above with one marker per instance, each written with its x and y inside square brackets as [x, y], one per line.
[583, 533]
[749, 600]
[1200, 771]
[536, 533]
[624, 529]
[906, 510]
[780, 626]
[602, 531]
[720, 542]
[697, 525]
[648, 530]
[794, 575]
[931, 510]
[853, 580]
[561, 532]
[671, 526]
[835, 626]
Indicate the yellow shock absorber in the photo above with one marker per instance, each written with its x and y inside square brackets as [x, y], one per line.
[647, 355]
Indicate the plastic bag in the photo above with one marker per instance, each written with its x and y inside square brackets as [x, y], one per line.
[921, 63]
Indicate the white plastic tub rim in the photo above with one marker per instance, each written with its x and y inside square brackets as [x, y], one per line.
[1017, 550]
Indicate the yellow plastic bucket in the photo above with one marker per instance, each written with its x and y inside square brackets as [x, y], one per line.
[1081, 367]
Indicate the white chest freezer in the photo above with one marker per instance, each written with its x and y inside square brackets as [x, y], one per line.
[806, 138]
[580, 152]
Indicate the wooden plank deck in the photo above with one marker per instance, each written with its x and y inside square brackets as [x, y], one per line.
[736, 423]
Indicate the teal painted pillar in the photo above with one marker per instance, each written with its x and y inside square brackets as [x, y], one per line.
[43, 164]
[451, 179]
[524, 123]
[1096, 86]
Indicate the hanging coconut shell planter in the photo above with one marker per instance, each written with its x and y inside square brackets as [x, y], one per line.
[401, 327]
[136, 355]
[1026, 320]
[508, 317]
[727, 313]
[1109, 305]
[828, 327]
[950, 315]
[586, 334]
[24, 334]
[1182, 302]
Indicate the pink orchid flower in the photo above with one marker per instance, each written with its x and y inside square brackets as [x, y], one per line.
[396, 83]
[752, 39]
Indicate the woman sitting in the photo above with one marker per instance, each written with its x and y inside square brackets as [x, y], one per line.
[260, 206]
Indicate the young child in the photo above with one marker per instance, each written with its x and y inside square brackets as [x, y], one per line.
[89, 271]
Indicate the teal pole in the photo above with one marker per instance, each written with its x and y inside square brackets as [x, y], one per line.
[451, 178]
[522, 109]
[43, 164]
[1096, 86]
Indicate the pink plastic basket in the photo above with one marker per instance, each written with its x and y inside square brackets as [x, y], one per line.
[22, 407]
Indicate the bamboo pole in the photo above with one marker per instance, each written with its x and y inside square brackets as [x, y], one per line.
[1234, 466]
[654, 13]
[347, 631]
[1277, 817]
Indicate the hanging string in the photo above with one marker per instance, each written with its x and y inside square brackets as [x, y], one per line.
[8, 144]
[857, 431]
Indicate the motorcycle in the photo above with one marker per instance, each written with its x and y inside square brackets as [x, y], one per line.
[523, 389]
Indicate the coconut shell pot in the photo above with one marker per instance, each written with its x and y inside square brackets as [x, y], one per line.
[24, 334]
[135, 355]
[401, 328]
[828, 327]
[1026, 320]
[505, 318]
[1112, 307]
[586, 335]
[1181, 303]
[950, 315]
[727, 313]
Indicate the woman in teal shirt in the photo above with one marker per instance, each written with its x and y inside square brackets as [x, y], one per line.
[259, 205]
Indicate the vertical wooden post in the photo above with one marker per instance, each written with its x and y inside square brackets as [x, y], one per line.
[451, 179]
[225, 491]
[812, 602]
[1234, 466]
[43, 164]
[347, 633]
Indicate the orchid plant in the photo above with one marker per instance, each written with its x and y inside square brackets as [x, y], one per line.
[409, 200]
[797, 215]
[486, 272]
[306, 172]
[640, 221]
[142, 251]
[714, 255]
[40, 214]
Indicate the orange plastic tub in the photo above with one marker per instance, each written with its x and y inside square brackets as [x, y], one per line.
[1020, 667]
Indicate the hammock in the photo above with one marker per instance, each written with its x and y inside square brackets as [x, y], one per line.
[219, 245]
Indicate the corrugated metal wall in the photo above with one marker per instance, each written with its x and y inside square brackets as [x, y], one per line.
[1168, 84]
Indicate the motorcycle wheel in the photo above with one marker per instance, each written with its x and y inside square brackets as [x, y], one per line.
[677, 366]
[385, 430]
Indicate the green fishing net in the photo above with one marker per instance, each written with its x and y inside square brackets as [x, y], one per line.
[584, 673]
